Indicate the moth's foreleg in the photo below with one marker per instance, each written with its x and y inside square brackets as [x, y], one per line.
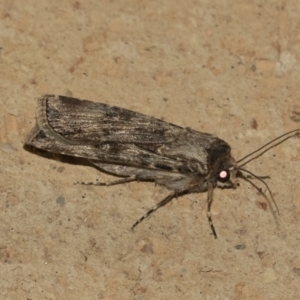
[160, 204]
[208, 212]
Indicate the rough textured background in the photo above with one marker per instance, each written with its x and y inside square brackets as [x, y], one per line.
[230, 68]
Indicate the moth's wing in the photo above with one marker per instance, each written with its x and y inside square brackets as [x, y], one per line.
[111, 134]
[85, 121]
[110, 153]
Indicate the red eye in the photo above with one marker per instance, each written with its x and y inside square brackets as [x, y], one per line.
[224, 176]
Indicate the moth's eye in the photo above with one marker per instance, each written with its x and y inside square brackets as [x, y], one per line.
[224, 176]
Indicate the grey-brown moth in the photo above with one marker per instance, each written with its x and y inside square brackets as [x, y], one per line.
[139, 147]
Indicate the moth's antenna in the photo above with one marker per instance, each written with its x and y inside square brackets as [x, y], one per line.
[260, 191]
[271, 144]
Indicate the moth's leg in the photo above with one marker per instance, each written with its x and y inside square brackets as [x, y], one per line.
[119, 181]
[261, 177]
[128, 172]
[210, 190]
[160, 204]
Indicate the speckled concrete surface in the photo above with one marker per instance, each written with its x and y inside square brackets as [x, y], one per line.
[230, 68]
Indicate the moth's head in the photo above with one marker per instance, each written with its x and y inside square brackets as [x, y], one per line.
[227, 174]
[223, 167]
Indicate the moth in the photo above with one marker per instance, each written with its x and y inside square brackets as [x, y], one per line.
[139, 147]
